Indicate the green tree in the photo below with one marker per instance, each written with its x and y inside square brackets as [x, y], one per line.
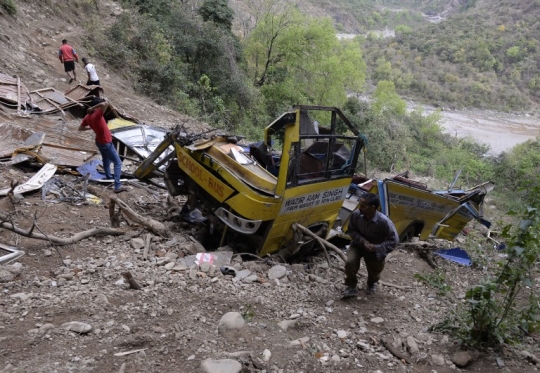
[387, 100]
[517, 167]
[217, 11]
[298, 59]
[403, 29]
[513, 53]
[9, 6]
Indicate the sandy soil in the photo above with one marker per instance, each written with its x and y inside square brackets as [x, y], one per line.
[501, 131]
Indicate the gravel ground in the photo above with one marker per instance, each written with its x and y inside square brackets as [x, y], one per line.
[69, 308]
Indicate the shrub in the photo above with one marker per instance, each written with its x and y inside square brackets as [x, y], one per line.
[9, 6]
[496, 310]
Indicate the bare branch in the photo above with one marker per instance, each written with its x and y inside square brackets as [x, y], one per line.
[62, 241]
[154, 225]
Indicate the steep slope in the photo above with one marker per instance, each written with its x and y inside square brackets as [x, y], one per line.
[30, 40]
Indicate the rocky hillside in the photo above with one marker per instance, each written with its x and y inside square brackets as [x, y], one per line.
[69, 308]
[31, 39]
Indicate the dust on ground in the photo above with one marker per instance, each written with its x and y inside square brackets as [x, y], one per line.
[172, 322]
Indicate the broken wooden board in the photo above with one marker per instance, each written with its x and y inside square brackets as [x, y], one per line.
[35, 182]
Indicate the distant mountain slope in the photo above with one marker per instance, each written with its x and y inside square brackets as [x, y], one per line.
[352, 16]
[357, 16]
[486, 56]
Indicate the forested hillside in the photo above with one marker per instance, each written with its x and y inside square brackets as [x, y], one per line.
[482, 53]
[187, 56]
[486, 56]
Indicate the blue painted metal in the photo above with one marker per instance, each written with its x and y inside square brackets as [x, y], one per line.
[91, 168]
[456, 255]
[381, 186]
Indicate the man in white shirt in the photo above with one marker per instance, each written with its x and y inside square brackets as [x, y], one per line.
[93, 78]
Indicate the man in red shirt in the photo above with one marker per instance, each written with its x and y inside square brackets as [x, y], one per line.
[68, 56]
[95, 121]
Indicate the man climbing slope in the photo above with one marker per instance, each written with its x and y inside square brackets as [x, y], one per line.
[68, 56]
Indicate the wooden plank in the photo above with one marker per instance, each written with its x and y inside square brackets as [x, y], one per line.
[18, 95]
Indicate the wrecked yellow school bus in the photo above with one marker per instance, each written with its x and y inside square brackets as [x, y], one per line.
[417, 211]
[249, 196]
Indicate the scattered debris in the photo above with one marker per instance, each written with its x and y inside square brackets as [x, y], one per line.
[125, 353]
[456, 255]
[12, 91]
[35, 182]
[216, 258]
[9, 254]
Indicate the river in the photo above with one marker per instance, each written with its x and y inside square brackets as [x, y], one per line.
[501, 131]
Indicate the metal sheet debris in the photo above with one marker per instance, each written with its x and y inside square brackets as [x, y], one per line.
[65, 192]
[31, 144]
[12, 137]
[64, 156]
[9, 254]
[61, 145]
[48, 100]
[456, 255]
[141, 140]
[35, 182]
[80, 92]
[12, 91]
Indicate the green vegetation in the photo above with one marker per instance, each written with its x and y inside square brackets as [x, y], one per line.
[436, 280]
[247, 312]
[504, 307]
[188, 58]
[485, 57]
[9, 6]
[294, 58]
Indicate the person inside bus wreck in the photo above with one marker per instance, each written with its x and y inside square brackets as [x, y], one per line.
[374, 236]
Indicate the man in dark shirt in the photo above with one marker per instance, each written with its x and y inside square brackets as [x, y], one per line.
[95, 121]
[374, 236]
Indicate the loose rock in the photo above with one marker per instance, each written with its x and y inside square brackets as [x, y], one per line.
[412, 345]
[221, 366]
[231, 320]
[437, 360]
[462, 359]
[77, 327]
[286, 324]
[277, 272]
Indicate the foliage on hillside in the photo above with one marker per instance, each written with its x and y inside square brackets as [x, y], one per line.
[486, 57]
[401, 140]
[361, 16]
[188, 58]
[503, 307]
[293, 58]
[185, 54]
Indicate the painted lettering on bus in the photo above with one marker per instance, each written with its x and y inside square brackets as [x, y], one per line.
[215, 186]
[313, 199]
[196, 172]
